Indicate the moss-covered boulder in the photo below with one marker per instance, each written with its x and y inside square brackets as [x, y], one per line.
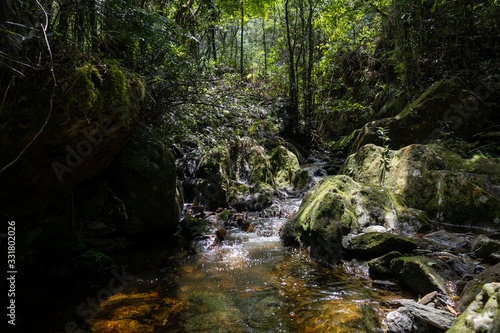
[144, 178]
[433, 179]
[337, 206]
[86, 119]
[382, 265]
[474, 287]
[375, 244]
[423, 274]
[214, 172]
[286, 169]
[447, 104]
[484, 247]
[483, 314]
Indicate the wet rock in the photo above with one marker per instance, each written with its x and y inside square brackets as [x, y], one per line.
[474, 287]
[144, 178]
[374, 244]
[483, 314]
[382, 265]
[432, 179]
[484, 247]
[287, 171]
[424, 275]
[449, 241]
[446, 103]
[403, 321]
[386, 285]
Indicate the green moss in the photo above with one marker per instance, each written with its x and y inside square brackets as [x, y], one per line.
[224, 215]
[260, 167]
[99, 89]
[374, 244]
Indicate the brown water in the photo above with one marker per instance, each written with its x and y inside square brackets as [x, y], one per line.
[249, 283]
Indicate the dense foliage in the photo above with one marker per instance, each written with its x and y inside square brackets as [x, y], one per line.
[218, 70]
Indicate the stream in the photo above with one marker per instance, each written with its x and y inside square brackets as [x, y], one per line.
[250, 282]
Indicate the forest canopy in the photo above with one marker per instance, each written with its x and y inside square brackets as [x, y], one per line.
[207, 62]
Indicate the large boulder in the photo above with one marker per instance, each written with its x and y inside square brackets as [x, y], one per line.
[144, 178]
[433, 179]
[424, 275]
[375, 244]
[86, 120]
[337, 206]
[447, 104]
[474, 287]
[483, 314]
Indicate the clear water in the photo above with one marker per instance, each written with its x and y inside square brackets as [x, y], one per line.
[249, 283]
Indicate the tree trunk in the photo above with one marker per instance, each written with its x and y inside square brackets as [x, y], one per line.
[293, 103]
[241, 38]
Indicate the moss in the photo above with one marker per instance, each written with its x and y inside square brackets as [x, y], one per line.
[421, 274]
[374, 244]
[284, 166]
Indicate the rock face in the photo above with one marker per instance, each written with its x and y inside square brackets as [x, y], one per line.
[337, 206]
[437, 181]
[483, 314]
[248, 181]
[89, 124]
[144, 177]
[446, 104]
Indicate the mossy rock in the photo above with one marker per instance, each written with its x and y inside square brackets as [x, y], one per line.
[192, 227]
[474, 287]
[337, 206]
[91, 115]
[214, 174]
[144, 177]
[343, 145]
[89, 263]
[423, 275]
[447, 103]
[382, 265]
[375, 244]
[433, 179]
[260, 167]
[483, 246]
[483, 314]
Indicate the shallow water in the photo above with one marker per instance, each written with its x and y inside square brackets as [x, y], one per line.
[249, 283]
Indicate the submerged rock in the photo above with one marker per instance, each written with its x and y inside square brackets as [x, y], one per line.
[483, 314]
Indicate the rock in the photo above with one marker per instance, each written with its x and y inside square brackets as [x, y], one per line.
[438, 318]
[90, 263]
[213, 171]
[337, 206]
[287, 171]
[423, 275]
[447, 241]
[375, 228]
[434, 180]
[446, 103]
[484, 247]
[386, 285]
[474, 287]
[144, 177]
[400, 321]
[483, 314]
[375, 244]
[93, 108]
[382, 265]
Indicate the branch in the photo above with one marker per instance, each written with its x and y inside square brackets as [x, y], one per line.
[44, 30]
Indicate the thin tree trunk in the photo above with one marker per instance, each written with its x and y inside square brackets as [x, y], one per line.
[292, 82]
[241, 38]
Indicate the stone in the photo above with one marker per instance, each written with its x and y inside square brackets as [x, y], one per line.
[435, 317]
[474, 287]
[447, 102]
[448, 241]
[483, 314]
[375, 244]
[437, 181]
[382, 265]
[423, 275]
[483, 246]
[144, 177]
